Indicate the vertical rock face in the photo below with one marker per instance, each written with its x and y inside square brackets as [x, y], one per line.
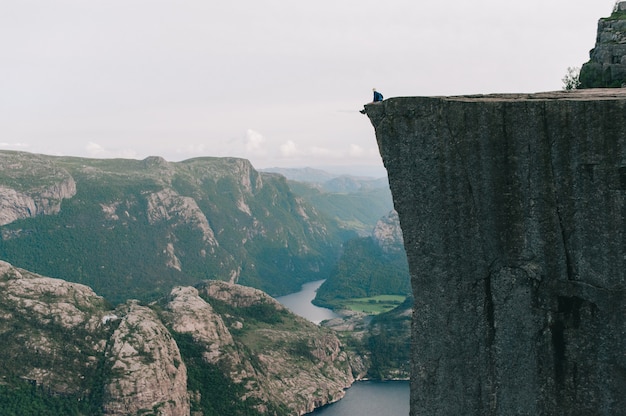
[388, 234]
[292, 363]
[607, 63]
[513, 210]
[31, 186]
[148, 372]
[35, 313]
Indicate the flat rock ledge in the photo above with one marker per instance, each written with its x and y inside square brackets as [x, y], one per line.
[513, 211]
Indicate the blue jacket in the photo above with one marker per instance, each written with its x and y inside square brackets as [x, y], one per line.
[377, 96]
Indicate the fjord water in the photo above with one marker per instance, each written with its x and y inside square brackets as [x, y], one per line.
[300, 303]
[364, 398]
[371, 398]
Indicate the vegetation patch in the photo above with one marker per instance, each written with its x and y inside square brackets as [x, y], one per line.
[617, 15]
[389, 343]
[25, 398]
[374, 305]
[212, 392]
[365, 270]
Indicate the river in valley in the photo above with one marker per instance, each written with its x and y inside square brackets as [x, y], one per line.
[300, 303]
[371, 398]
[364, 398]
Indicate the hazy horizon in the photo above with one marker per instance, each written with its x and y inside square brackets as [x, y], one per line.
[277, 83]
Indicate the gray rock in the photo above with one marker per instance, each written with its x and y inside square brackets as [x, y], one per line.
[148, 373]
[607, 60]
[65, 339]
[513, 211]
[388, 234]
[31, 186]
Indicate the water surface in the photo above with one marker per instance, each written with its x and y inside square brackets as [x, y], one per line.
[371, 398]
[300, 303]
[364, 398]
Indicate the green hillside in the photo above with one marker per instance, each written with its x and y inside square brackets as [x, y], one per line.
[135, 228]
[355, 210]
[364, 270]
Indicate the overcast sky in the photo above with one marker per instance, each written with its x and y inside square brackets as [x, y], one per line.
[279, 82]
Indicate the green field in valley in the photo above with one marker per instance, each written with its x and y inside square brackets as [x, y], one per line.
[373, 305]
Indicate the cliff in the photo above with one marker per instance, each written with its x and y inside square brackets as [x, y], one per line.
[284, 363]
[218, 348]
[607, 60]
[32, 187]
[513, 213]
[64, 339]
[388, 233]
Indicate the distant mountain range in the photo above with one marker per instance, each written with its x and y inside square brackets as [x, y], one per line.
[136, 228]
[356, 203]
[365, 172]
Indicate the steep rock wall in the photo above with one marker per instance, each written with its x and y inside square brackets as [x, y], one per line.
[513, 212]
[607, 60]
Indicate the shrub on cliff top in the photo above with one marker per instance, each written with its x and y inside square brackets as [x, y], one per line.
[571, 80]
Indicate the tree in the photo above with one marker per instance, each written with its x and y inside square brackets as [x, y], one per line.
[571, 80]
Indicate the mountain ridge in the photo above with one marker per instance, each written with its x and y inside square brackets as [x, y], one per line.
[166, 222]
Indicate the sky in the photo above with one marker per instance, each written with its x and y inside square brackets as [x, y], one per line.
[278, 82]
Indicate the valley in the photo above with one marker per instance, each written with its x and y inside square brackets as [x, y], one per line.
[169, 258]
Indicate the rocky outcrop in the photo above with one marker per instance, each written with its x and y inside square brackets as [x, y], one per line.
[513, 211]
[388, 233]
[190, 314]
[66, 340]
[169, 208]
[37, 314]
[292, 363]
[607, 64]
[148, 373]
[31, 186]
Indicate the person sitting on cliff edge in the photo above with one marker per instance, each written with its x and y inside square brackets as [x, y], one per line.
[377, 98]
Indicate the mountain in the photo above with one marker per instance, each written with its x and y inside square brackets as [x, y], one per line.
[330, 182]
[214, 349]
[137, 228]
[302, 174]
[369, 266]
[355, 203]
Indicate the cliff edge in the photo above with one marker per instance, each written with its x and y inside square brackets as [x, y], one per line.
[513, 212]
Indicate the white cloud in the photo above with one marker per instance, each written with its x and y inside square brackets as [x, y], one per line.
[94, 150]
[255, 143]
[348, 155]
[289, 149]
